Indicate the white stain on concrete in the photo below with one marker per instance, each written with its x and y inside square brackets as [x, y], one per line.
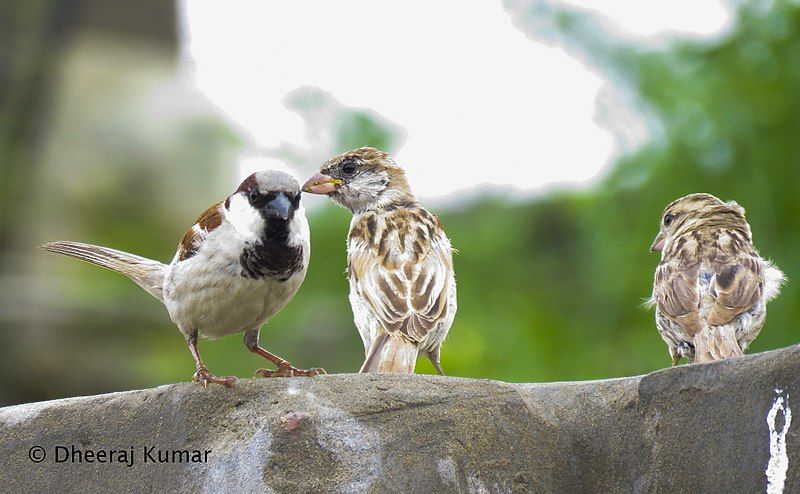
[447, 471]
[778, 463]
[353, 444]
[356, 447]
[475, 485]
[238, 466]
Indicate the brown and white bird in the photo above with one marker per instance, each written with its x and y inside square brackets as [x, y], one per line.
[711, 287]
[235, 268]
[400, 262]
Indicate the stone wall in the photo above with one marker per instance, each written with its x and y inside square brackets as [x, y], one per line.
[722, 427]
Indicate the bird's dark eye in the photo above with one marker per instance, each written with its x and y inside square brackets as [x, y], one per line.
[668, 219]
[296, 200]
[254, 196]
[348, 168]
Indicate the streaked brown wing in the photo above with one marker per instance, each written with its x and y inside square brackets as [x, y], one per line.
[675, 292]
[403, 278]
[738, 285]
[207, 222]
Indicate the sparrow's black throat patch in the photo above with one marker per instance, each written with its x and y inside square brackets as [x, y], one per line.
[272, 256]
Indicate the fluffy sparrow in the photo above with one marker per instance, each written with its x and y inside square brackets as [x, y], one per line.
[711, 287]
[400, 263]
[239, 265]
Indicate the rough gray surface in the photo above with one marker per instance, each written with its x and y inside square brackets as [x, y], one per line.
[698, 428]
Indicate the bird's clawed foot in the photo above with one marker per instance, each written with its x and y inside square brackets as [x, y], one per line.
[285, 369]
[203, 376]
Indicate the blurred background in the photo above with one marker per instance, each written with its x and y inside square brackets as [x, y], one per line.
[548, 136]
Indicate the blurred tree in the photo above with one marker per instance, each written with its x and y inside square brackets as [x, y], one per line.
[333, 128]
[554, 289]
[28, 32]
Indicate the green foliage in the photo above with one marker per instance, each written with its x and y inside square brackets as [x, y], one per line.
[358, 129]
[554, 289]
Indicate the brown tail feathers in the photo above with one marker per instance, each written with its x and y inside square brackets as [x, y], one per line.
[146, 273]
[391, 353]
[716, 343]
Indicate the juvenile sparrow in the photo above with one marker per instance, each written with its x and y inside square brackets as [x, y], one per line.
[235, 268]
[711, 287]
[400, 263]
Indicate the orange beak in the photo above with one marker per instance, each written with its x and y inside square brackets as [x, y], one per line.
[658, 243]
[321, 184]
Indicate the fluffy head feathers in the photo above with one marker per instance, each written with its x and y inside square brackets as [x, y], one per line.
[361, 180]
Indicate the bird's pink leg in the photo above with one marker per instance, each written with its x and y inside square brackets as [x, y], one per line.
[284, 368]
[203, 376]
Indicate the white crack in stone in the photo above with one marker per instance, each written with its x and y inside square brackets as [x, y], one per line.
[778, 463]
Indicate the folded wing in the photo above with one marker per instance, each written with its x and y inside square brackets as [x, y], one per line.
[737, 285]
[675, 293]
[402, 268]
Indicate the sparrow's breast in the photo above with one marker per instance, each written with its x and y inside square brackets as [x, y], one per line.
[222, 291]
[217, 304]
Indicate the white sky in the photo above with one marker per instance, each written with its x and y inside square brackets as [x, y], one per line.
[478, 100]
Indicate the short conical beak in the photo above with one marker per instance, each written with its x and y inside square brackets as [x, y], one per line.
[280, 207]
[658, 243]
[321, 184]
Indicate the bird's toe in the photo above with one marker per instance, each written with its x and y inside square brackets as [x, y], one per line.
[203, 377]
[287, 370]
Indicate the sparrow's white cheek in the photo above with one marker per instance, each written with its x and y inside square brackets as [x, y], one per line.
[366, 190]
[245, 219]
[299, 234]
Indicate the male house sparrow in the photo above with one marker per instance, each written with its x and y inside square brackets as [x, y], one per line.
[400, 263]
[239, 265]
[711, 287]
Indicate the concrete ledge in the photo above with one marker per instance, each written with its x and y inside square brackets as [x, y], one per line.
[722, 427]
